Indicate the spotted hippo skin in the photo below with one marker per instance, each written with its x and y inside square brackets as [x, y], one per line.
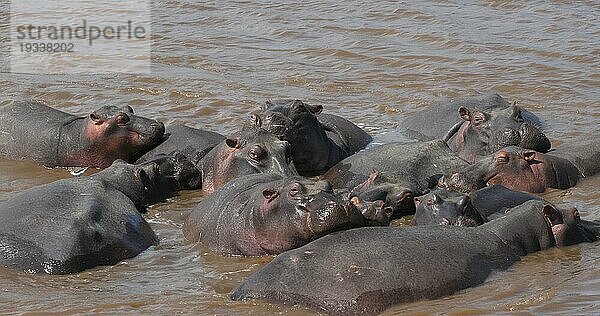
[189, 141]
[75, 224]
[402, 172]
[530, 171]
[478, 126]
[265, 214]
[61, 139]
[253, 150]
[364, 271]
[318, 140]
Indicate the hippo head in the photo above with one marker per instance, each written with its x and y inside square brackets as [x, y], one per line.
[376, 213]
[116, 133]
[397, 196]
[484, 133]
[297, 123]
[446, 207]
[168, 173]
[517, 169]
[567, 226]
[253, 151]
[309, 208]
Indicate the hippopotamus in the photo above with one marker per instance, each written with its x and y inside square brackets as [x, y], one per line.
[364, 271]
[530, 171]
[60, 139]
[265, 214]
[478, 126]
[253, 150]
[446, 207]
[79, 223]
[318, 140]
[189, 141]
[408, 169]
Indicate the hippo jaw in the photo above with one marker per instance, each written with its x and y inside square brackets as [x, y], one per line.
[323, 215]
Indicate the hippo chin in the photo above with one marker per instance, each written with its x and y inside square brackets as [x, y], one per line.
[79, 223]
[65, 140]
[530, 171]
[364, 271]
[265, 214]
[318, 140]
[254, 150]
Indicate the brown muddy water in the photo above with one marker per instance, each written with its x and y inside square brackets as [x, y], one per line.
[374, 63]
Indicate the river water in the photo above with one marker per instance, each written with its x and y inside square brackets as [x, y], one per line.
[373, 63]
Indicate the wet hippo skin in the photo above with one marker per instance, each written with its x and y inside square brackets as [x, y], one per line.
[75, 224]
[353, 279]
[266, 214]
[33, 131]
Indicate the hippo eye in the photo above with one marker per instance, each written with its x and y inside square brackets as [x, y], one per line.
[478, 119]
[295, 189]
[502, 159]
[123, 119]
[256, 153]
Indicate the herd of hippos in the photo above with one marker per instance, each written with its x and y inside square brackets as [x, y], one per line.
[298, 183]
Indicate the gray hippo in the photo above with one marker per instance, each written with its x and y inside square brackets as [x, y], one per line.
[478, 126]
[253, 150]
[186, 140]
[318, 140]
[79, 223]
[265, 214]
[408, 170]
[530, 171]
[59, 139]
[446, 207]
[366, 270]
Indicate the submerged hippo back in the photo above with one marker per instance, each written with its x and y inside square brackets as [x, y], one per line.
[31, 130]
[71, 225]
[365, 270]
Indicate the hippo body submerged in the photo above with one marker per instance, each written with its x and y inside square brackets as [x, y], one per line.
[318, 140]
[265, 214]
[353, 279]
[186, 140]
[75, 224]
[66, 140]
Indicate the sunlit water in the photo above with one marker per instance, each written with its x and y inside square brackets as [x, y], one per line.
[374, 63]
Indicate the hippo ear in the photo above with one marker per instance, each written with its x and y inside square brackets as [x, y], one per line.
[97, 119]
[552, 214]
[232, 142]
[530, 156]
[270, 194]
[314, 109]
[464, 113]
[516, 112]
[254, 121]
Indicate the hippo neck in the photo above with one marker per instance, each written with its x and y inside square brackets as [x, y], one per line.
[124, 180]
[525, 231]
[72, 148]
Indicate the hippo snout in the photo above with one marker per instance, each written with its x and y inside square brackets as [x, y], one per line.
[533, 138]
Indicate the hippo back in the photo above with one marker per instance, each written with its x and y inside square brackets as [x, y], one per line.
[39, 142]
[71, 225]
